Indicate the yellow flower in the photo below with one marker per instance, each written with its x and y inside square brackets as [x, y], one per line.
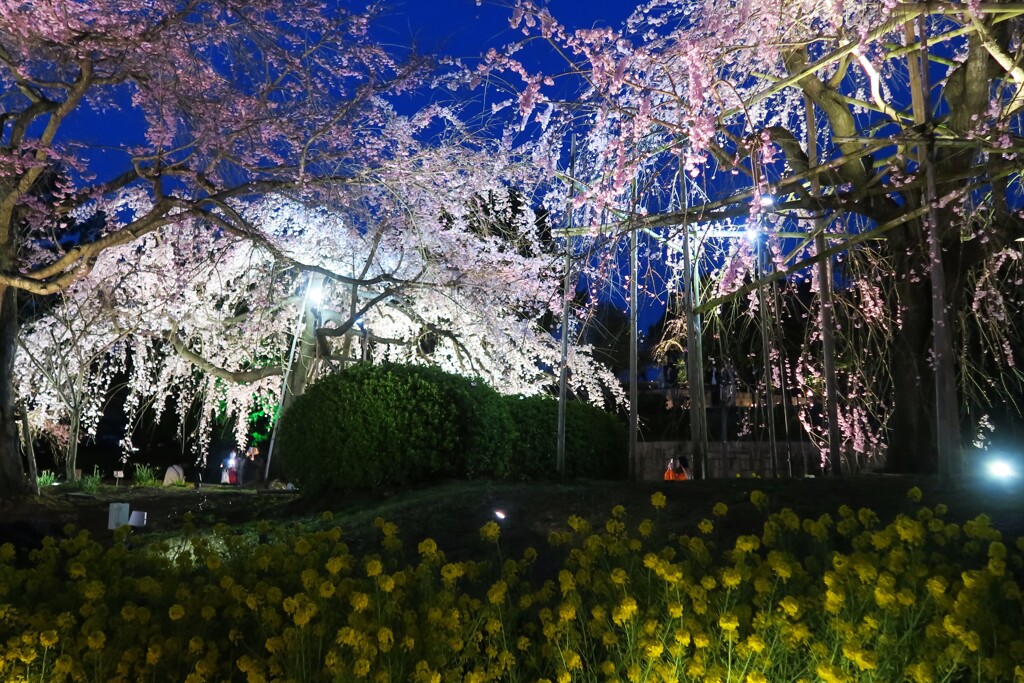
[731, 577]
[176, 612]
[720, 510]
[920, 672]
[361, 667]
[618, 512]
[867, 517]
[706, 526]
[48, 638]
[386, 583]
[452, 571]
[619, 576]
[646, 528]
[566, 581]
[94, 590]
[427, 548]
[831, 674]
[624, 611]
[489, 532]
[865, 661]
[274, 644]
[728, 622]
[790, 606]
[747, 544]
[336, 564]
[759, 499]
[373, 567]
[914, 494]
[326, 589]
[658, 500]
[386, 638]
[359, 601]
[96, 640]
[496, 594]
[654, 650]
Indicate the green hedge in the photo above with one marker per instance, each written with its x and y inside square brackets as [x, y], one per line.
[393, 424]
[366, 426]
[596, 444]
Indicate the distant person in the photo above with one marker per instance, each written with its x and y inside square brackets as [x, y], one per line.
[229, 469]
[253, 466]
[676, 470]
[684, 469]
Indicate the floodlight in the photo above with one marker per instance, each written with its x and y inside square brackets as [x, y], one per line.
[1001, 468]
[315, 293]
[500, 514]
[767, 200]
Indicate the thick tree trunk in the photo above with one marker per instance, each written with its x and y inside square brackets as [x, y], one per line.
[12, 474]
[912, 446]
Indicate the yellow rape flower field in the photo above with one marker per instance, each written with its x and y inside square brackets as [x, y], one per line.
[664, 583]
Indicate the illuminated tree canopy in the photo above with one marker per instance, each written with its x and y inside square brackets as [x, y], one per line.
[729, 93]
[177, 176]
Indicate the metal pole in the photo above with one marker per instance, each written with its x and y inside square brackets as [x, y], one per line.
[563, 370]
[766, 351]
[828, 340]
[695, 351]
[633, 343]
[287, 374]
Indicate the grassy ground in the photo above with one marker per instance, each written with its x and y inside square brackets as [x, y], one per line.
[452, 512]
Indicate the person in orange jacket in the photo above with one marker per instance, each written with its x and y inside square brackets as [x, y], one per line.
[675, 471]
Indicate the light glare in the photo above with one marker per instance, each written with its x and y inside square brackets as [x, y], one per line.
[316, 294]
[1001, 469]
[500, 514]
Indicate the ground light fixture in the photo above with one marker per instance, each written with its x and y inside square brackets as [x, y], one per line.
[1001, 468]
[500, 514]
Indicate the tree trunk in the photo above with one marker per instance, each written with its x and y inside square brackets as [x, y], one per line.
[12, 474]
[912, 446]
[30, 451]
[72, 452]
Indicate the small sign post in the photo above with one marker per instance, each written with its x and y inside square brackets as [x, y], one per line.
[118, 476]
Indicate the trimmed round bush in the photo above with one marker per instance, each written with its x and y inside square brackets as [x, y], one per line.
[390, 424]
[596, 442]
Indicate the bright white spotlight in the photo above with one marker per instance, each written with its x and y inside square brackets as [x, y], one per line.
[767, 200]
[1001, 469]
[316, 294]
[752, 234]
[500, 514]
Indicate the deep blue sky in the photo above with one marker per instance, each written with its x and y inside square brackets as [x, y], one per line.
[462, 29]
